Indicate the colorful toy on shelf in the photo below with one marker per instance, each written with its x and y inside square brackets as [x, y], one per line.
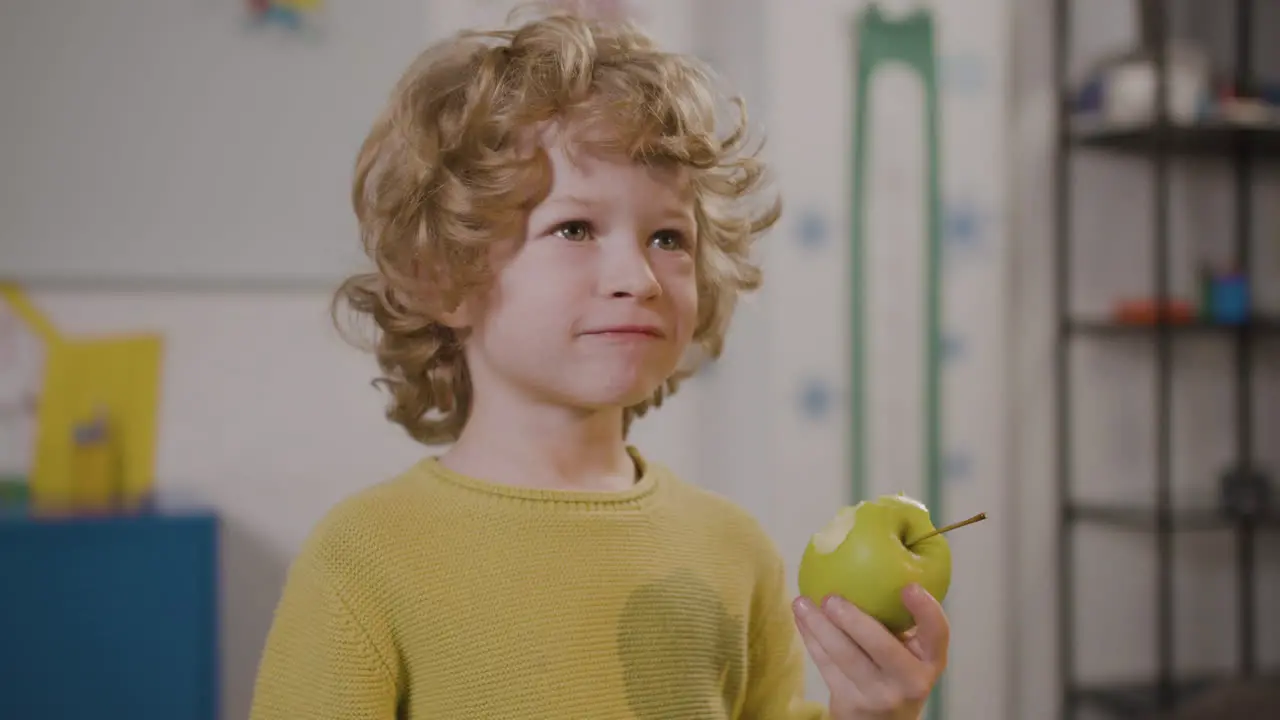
[21, 373]
[1224, 298]
[96, 417]
[291, 14]
[1143, 311]
[1258, 109]
[95, 464]
[1229, 299]
[1121, 89]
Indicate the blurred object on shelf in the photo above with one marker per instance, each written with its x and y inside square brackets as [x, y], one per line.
[13, 491]
[1144, 311]
[1226, 297]
[113, 381]
[292, 14]
[1121, 90]
[1260, 109]
[96, 465]
[21, 375]
[1223, 299]
[118, 376]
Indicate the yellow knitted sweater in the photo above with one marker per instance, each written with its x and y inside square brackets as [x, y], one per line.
[436, 595]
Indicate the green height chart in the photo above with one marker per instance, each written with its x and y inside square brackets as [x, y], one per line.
[879, 42]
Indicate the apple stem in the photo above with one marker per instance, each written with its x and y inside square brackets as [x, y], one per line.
[976, 518]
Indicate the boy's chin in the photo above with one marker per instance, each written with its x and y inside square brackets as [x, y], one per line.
[615, 387]
[619, 396]
[622, 401]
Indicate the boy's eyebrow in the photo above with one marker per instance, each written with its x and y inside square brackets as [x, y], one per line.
[572, 200]
[681, 216]
[684, 215]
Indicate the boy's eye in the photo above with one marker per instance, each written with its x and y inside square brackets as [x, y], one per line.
[575, 230]
[669, 240]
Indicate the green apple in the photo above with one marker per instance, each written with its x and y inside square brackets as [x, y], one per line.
[869, 552]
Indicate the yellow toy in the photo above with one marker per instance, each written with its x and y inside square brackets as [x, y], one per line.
[96, 417]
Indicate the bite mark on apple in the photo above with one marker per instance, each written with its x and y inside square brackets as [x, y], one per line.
[913, 501]
[836, 530]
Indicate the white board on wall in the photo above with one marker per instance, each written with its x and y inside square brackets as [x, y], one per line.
[163, 140]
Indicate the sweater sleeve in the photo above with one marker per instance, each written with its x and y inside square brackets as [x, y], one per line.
[776, 673]
[319, 661]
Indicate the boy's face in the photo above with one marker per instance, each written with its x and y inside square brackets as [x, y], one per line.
[596, 304]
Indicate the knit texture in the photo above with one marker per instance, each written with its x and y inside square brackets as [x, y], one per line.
[436, 595]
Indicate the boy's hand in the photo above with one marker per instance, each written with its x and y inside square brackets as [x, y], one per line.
[872, 674]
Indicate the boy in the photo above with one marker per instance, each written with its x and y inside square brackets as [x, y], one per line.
[556, 225]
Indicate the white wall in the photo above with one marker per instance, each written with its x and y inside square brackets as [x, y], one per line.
[186, 96]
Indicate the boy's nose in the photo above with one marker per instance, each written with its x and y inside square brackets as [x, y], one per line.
[626, 272]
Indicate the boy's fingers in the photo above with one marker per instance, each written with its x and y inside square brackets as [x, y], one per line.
[933, 631]
[913, 644]
[842, 649]
[873, 638]
[831, 673]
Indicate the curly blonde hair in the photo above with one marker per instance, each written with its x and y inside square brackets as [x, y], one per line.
[447, 169]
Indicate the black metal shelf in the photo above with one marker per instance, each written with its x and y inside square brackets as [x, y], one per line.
[1262, 328]
[1135, 699]
[1158, 142]
[1207, 139]
[1177, 519]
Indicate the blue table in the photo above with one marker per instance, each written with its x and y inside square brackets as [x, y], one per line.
[110, 618]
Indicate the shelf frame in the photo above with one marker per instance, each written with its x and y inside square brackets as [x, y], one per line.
[1158, 142]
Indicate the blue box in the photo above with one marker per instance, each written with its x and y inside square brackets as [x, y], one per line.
[1229, 299]
[112, 618]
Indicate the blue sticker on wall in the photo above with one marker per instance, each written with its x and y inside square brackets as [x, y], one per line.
[957, 466]
[964, 228]
[952, 347]
[812, 229]
[290, 14]
[963, 223]
[816, 399]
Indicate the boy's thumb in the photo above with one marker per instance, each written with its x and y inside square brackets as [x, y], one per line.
[932, 634]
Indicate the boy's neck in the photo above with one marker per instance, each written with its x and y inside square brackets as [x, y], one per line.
[545, 448]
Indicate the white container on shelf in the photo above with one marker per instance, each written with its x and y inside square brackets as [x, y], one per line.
[1129, 88]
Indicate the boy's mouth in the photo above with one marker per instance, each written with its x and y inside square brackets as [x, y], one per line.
[652, 331]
